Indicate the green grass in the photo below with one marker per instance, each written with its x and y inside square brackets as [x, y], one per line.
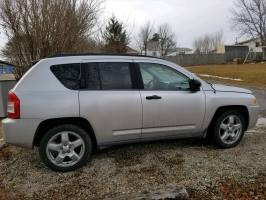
[251, 74]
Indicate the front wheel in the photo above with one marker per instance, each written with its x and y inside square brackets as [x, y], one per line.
[65, 148]
[229, 129]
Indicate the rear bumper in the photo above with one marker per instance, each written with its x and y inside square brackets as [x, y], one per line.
[20, 132]
[253, 116]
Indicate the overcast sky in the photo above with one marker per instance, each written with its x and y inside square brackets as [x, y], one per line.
[188, 18]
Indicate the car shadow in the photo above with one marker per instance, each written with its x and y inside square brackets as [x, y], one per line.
[161, 145]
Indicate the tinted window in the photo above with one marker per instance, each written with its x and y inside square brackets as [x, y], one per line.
[115, 76]
[160, 77]
[67, 74]
[93, 78]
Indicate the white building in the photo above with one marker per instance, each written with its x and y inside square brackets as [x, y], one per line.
[154, 50]
[253, 44]
[180, 51]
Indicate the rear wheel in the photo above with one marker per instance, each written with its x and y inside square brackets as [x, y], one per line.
[229, 129]
[65, 148]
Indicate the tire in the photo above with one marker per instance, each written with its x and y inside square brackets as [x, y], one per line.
[228, 129]
[65, 148]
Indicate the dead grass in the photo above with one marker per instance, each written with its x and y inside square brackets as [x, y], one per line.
[251, 74]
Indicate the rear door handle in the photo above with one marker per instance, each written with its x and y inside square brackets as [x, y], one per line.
[154, 97]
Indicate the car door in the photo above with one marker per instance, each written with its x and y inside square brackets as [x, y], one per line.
[110, 102]
[170, 108]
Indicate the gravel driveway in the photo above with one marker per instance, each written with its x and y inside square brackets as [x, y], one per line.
[206, 172]
[261, 97]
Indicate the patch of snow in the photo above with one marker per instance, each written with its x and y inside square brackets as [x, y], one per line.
[220, 77]
[252, 131]
[261, 122]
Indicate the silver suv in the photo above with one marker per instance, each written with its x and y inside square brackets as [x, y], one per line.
[70, 105]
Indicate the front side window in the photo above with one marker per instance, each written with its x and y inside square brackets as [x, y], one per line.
[161, 77]
[68, 75]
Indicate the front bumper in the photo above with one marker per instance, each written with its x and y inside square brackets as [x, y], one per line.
[20, 132]
[253, 116]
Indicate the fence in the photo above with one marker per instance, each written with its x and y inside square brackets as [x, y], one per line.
[209, 59]
[5, 86]
[197, 59]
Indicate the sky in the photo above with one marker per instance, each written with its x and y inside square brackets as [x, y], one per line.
[188, 18]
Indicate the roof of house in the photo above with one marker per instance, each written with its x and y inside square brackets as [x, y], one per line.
[236, 45]
[131, 50]
[247, 41]
[183, 49]
[4, 62]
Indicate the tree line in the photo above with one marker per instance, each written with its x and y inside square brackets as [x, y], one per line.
[38, 28]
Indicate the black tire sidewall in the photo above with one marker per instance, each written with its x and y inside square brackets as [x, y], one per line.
[68, 127]
[217, 124]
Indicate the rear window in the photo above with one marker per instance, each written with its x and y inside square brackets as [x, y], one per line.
[68, 75]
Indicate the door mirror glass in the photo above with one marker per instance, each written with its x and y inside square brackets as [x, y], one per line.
[194, 85]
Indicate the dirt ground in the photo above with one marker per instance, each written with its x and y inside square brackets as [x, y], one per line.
[205, 171]
[249, 74]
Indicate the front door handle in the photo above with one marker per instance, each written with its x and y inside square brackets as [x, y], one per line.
[154, 97]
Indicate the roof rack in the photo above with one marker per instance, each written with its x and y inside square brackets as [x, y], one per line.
[99, 54]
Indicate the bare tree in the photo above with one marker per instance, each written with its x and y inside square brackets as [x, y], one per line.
[166, 39]
[208, 43]
[145, 35]
[203, 44]
[249, 17]
[39, 28]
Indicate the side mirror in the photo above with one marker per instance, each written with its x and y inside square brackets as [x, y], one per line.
[194, 85]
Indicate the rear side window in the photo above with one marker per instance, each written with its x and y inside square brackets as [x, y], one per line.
[93, 77]
[68, 75]
[115, 76]
[108, 76]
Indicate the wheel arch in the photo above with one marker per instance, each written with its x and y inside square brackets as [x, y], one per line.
[240, 108]
[46, 125]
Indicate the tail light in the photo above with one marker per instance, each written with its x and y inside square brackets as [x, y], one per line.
[13, 107]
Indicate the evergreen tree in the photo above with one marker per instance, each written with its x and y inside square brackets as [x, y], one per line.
[115, 37]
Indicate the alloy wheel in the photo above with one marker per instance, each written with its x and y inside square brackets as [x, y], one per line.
[65, 149]
[230, 129]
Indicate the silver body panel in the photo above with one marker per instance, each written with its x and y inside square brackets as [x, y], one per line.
[119, 116]
[178, 112]
[114, 115]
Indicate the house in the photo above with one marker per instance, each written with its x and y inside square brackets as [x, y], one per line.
[131, 51]
[154, 50]
[254, 45]
[6, 68]
[7, 82]
[179, 51]
[220, 49]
